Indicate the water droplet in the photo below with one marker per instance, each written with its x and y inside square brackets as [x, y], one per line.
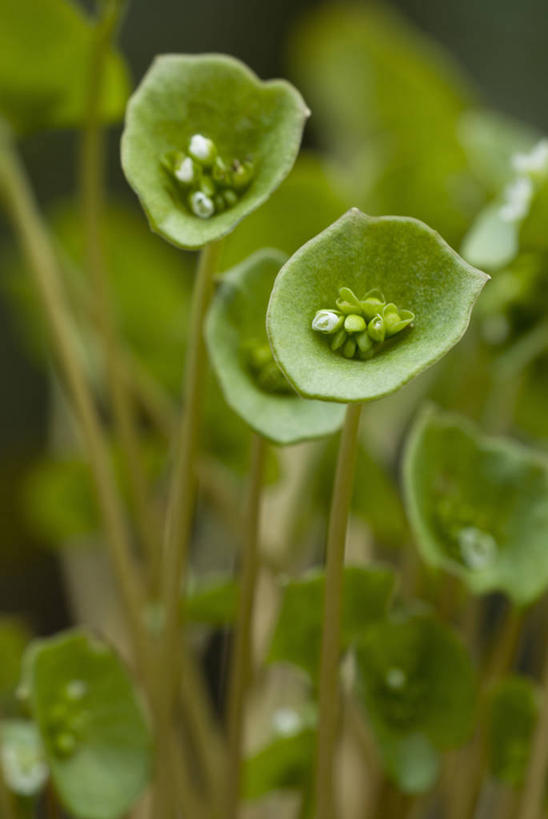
[478, 548]
[286, 721]
[396, 678]
[76, 690]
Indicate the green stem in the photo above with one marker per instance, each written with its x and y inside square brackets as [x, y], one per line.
[329, 706]
[93, 196]
[7, 809]
[242, 661]
[182, 488]
[532, 800]
[33, 237]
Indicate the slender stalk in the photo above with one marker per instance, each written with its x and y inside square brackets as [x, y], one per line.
[532, 800]
[242, 661]
[7, 809]
[182, 488]
[93, 195]
[33, 237]
[329, 706]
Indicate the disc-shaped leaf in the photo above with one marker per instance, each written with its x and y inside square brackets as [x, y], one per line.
[219, 97]
[92, 725]
[415, 677]
[235, 330]
[478, 506]
[410, 264]
[284, 763]
[512, 717]
[45, 63]
[25, 770]
[298, 632]
[212, 601]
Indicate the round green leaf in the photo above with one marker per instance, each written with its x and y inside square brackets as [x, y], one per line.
[478, 506]
[219, 97]
[234, 326]
[410, 760]
[492, 241]
[212, 601]
[512, 717]
[22, 757]
[45, 59]
[410, 264]
[298, 633]
[415, 677]
[92, 725]
[283, 763]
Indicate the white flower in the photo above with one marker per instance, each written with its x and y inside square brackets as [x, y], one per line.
[518, 198]
[184, 171]
[202, 149]
[201, 205]
[533, 163]
[286, 722]
[326, 321]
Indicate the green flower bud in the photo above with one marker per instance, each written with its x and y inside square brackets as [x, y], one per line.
[259, 356]
[230, 197]
[339, 339]
[242, 174]
[354, 324]
[395, 321]
[201, 205]
[372, 303]
[207, 186]
[220, 172]
[366, 347]
[219, 203]
[376, 328]
[349, 348]
[348, 302]
[327, 321]
[64, 744]
[202, 150]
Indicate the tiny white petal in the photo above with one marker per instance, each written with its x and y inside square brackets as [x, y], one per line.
[325, 321]
[201, 148]
[185, 171]
[517, 200]
[202, 205]
[286, 721]
[534, 162]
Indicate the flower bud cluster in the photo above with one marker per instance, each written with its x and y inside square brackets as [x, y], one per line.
[265, 371]
[209, 183]
[359, 327]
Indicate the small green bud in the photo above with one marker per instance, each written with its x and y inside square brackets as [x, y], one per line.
[185, 171]
[339, 339]
[271, 379]
[349, 348]
[201, 205]
[203, 150]
[365, 344]
[354, 324]
[327, 321]
[347, 302]
[259, 355]
[220, 172]
[207, 186]
[376, 328]
[372, 303]
[230, 197]
[396, 321]
[64, 743]
[242, 174]
[219, 203]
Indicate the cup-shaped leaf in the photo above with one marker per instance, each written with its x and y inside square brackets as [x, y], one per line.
[92, 725]
[415, 677]
[478, 506]
[220, 98]
[45, 61]
[512, 717]
[298, 633]
[410, 264]
[22, 758]
[250, 379]
[284, 763]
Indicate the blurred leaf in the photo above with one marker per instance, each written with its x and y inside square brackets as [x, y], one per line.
[478, 506]
[22, 757]
[400, 256]
[492, 241]
[14, 637]
[45, 60]
[417, 684]
[235, 330]
[297, 636]
[305, 203]
[212, 601]
[219, 97]
[534, 233]
[512, 716]
[388, 102]
[284, 763]
[92, 725]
